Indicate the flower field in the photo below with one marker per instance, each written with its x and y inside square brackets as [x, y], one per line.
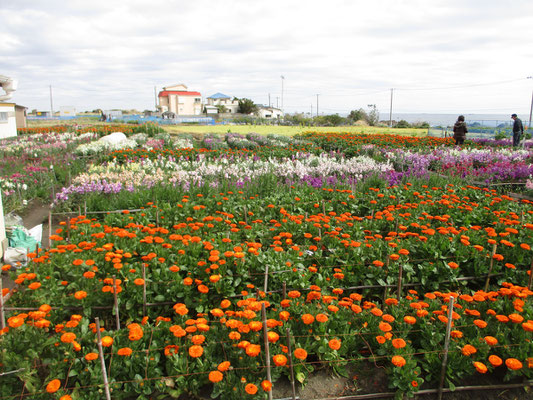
[332, 252]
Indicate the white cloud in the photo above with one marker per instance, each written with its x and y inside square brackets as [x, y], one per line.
[104, 54]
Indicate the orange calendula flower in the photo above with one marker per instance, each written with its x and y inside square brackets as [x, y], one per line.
[171, 349]
[480, 323]
[300, 353]
[385, 327]
[196, 351]
[398, 361]
[334, 344]
[468, 350]
[68, 337]
[34, 285]
[280, 360]
[139, 281]
[308, 319]
[453, 265]
[491, 340]
[224, 366]
[381, 339]
[91, 356]
[480, 367]
[253, 350]
[80, 294]
[322, 318]
[495, 360]
[398, 343]
[198, 339]
[53, 386]
[15, 321]
[215, 376]
[516, 318]
[266, 385]
[250, 388]
[409, 319]
[528, 326]
[124, 351]
[107, 341]
[513, 363]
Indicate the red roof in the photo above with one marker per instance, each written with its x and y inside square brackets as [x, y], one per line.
[165, 93]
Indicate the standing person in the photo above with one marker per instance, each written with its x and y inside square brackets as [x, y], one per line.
[459, 130]
[518, 130]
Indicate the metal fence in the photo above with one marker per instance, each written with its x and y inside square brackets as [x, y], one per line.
[479, 129]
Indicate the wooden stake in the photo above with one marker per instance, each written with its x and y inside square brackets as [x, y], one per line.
[267, 349]
[284, 290]
[490, 268]
[115, 297]
[400, 273]
[144, 289]
[446, 345]
[49, 229]
[102, 361]
[290, 363]
[2, 316]
[68, 229]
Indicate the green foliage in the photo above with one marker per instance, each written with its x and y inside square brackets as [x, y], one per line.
[247, 106]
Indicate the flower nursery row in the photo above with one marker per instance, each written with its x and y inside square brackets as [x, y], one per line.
[207, 252]
[183, 352]
[133, 171]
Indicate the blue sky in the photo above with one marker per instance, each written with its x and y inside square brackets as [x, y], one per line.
[446, 56]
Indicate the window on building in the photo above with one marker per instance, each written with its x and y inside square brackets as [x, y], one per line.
[197, 100]
[3, 117]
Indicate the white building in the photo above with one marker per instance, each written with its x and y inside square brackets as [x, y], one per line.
[269, 112]
[8, 120]
[220, 100]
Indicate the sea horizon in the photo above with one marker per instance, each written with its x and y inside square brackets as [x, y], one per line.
[438, 119]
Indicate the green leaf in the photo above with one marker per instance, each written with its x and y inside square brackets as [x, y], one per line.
[300, 377]
[159, 298]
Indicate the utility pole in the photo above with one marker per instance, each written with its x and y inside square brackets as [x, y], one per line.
[311, 110]
[155, 97]
[277, 101]
[530, 110]
[390, 114]
[51, 103]
[317, 104]
[269, 100]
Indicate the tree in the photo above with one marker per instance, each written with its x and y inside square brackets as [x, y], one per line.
[402, 124]
[221, 108]
[247, 106]
[357, 115]
[373, 115]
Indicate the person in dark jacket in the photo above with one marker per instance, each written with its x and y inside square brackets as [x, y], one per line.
[518, 130]
[459, 130]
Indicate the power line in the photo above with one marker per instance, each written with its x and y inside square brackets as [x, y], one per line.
[463, 86]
